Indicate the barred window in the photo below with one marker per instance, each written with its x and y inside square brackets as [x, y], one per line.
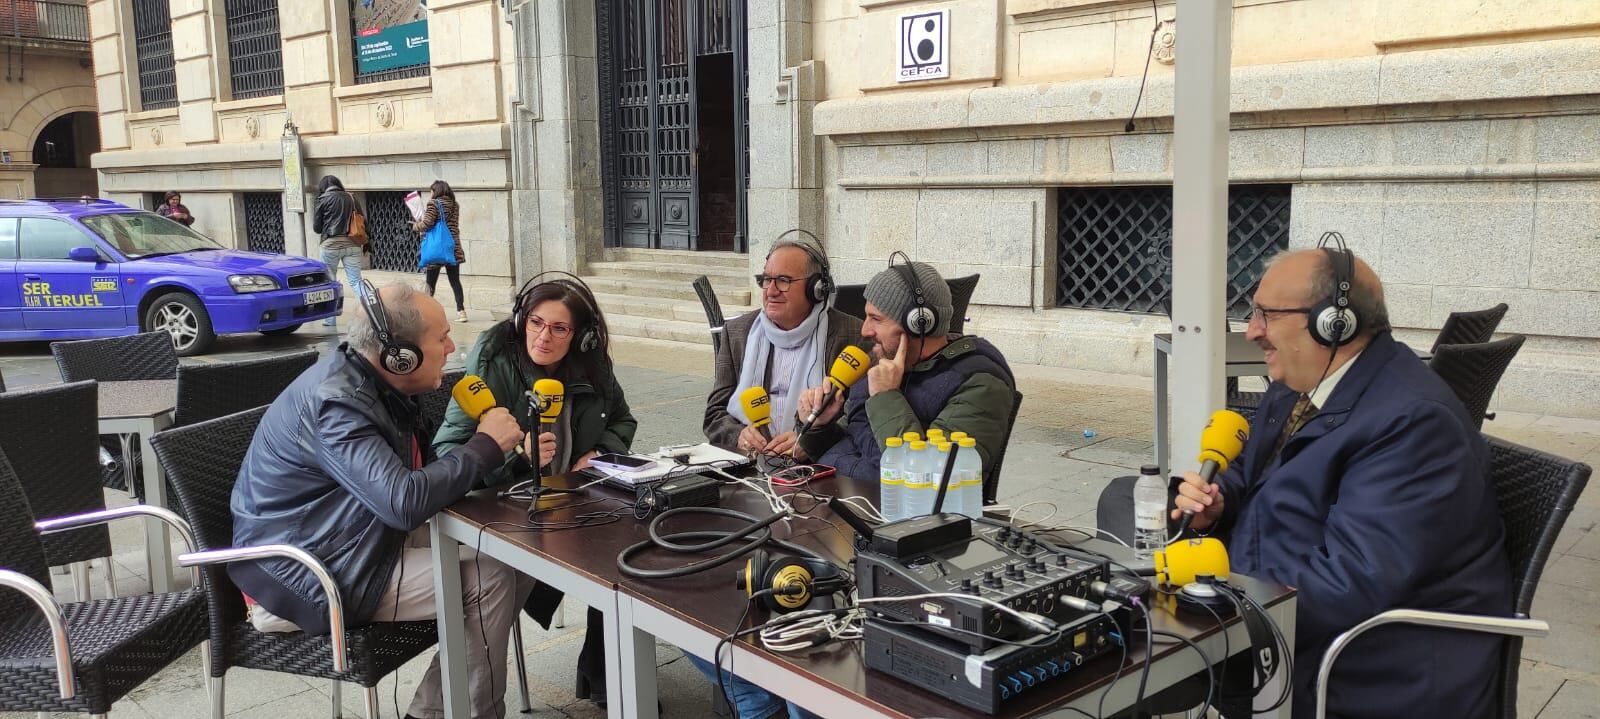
[263, 221]
[255, 49]
[395, 247]
[1114, 248]
[389, 40]
[152, 43]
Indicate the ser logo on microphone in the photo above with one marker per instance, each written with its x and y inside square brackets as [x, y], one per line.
[850, 359]
[477, 386]
[760, 400]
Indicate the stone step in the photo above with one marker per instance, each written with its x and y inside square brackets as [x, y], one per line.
[634, 286]
[659, 329]
[659, 308]
[732, 260]
[720, 277]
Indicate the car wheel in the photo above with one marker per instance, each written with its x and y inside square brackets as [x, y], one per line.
[281, 331]
[185, 319]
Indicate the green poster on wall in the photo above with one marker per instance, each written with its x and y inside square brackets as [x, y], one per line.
[389, 34]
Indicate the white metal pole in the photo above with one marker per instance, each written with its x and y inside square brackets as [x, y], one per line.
[1200, 221]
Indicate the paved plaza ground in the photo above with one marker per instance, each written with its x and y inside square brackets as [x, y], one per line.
[1050, 460]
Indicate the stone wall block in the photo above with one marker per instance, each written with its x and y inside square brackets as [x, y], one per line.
[109, 94]
[1354, 210]
[1266, 149]
[195, 80]
[191, 37]
[1410, 305]
[106, 52]
[466, 94]
[1509, 70]
[298, 18]
[771, 146]
[113, 132]
[1566, 237]
[312, 108]
[1015, 157]
[1441, 143]
[199, 122]
[1088, 155]
[103, 19]
[1458, 234]
[1568, 138]
[959, 159]
[1513, 141]
[1141, 153]
[1533, 312]
[890, 222]
[954, 226]
[1349, 146]
[307, 61]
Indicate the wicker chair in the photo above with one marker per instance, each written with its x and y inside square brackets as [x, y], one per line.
[211, 390]
[1536, 492]
[1473, 371]
[48, 433]
[713, 308]
[202, 461]
[433, 403]
[2, 382]
[961, 289]
[80, 656]
[142, 356]
[1470, 328]
[991, 480]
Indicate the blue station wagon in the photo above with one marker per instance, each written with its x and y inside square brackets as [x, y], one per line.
[76, 269]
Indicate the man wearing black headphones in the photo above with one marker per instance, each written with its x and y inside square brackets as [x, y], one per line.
[921, 378]
[784, 347]
[341, 466]
[1365, 485]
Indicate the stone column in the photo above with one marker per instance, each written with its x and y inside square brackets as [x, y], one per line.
[112, 66]
[197, 68]
[785, 86]
[566, 134]
[308, 73]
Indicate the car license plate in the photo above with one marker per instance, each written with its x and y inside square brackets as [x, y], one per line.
[319, 296]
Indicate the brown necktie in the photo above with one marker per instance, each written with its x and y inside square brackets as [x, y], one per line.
[1302, 413]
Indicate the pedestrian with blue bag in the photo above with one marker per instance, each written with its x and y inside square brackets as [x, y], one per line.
[441, 242]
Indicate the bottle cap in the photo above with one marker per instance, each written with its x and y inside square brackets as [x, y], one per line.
[918, 446]
[893, 442]
[1150, 469]
[968, 442]
[911, 436]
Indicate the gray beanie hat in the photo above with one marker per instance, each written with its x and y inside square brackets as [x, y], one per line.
[888, 292]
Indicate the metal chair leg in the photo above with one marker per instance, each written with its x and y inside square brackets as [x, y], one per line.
[337, 702]
[130, 473]
[559, 620]
[371, 695]
[522, 669]
[111, 579]
[80, 581]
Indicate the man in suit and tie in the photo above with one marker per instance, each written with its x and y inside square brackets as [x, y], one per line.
[1364, 484]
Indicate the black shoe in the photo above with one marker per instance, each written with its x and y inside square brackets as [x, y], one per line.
[592, 691]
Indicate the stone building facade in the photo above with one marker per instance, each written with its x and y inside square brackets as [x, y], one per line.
[1455, 144]
[48, 128]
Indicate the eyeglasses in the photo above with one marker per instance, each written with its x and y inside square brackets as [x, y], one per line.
[783, 282]
[537, 325]
[1257, 312]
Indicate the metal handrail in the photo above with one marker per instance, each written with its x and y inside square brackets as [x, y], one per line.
[1444, 620]
[284, 551]
[103, 516]
[41, 598]
[47, 20]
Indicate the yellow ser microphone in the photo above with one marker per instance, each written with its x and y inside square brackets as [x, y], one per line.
[1220, 443]
[473, 396]
[848, 368]
[1186, 559]
[551, 395]
[758, 409]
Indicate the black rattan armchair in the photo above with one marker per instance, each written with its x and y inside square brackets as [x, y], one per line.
[116, 359]
[1470, 328]
[713, 308]
[1535, 491]
[991, 479]
[211, 390]
[432, 404]
[48, 434]
[80, 656]
[961, 289]
[202, 461]
[1473, 371]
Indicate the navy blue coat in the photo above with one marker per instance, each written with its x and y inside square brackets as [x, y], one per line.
[1381, 501]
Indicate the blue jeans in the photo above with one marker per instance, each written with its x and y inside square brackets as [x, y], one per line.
[749, 700]
[350, 257]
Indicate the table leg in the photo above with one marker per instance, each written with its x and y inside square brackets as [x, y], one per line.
[1162, 440]
[451, 615]
[636, 663]
[158, 547]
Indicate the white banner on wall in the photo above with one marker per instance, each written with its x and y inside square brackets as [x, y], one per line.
[924, 46]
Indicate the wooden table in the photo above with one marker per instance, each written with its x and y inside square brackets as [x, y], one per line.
[144, 407]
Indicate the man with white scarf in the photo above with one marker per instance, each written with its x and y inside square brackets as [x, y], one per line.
[784, 347]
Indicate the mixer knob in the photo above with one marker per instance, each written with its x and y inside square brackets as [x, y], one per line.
[968, 586]
[1062, 560]
[989, 579]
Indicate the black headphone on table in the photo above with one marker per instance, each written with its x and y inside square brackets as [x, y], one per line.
[794, 581]
[819, 286]
[922, 319]
[1332, 321]
[589, 338]
[398, 356]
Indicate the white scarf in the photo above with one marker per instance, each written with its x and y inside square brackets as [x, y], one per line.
[809, 338]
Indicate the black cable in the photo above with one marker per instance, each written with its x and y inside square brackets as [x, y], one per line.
[754, 536]
[1211, 679]
[1227, 655]
[1100, 708]
[716, 654]
[1149, 656]
[1156, 17]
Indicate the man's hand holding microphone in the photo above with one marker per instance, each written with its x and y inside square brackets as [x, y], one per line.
[475, 399]
[1199, 502]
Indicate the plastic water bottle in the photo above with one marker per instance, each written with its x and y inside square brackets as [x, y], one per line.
[952, 501]
[891, 478]
[917, 499]
[935, 435]
[969, 467]
[1149, 512]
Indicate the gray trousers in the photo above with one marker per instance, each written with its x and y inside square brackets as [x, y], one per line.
[492, 594]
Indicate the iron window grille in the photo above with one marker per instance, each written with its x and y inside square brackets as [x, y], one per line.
[263, 221]
[255, 49]
[395, 247]
[152, 42]
[1114, 246]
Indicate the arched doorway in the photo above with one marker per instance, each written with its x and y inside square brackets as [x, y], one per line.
[62, 152]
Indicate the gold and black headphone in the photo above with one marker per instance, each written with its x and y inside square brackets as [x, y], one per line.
[787, 584]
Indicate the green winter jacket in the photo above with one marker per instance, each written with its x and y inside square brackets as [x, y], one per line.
[595, 407]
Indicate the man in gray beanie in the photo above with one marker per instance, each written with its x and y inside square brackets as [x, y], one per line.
[922, 378]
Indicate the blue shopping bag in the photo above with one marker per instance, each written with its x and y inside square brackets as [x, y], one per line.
[438, 245]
